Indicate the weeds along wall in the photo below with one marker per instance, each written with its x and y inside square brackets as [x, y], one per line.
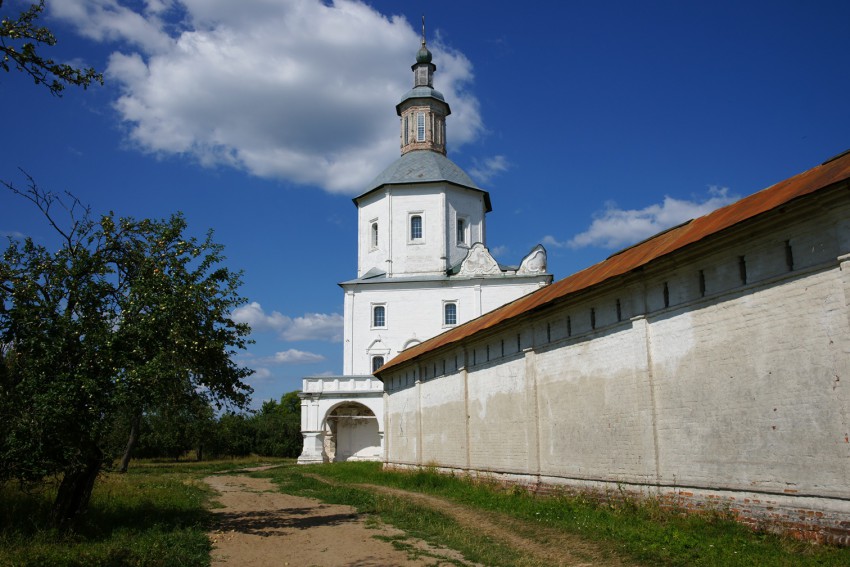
[716, 376]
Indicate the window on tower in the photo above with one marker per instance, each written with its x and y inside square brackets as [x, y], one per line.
[416, 227]
[450, 313]
[461, 231]
[406, 131]
[420, 127]
[374, 236]
[379, 316]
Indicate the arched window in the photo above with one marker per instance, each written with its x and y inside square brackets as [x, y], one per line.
[377, 362]
[450, 313]
[461, 231]
[374, 235]
[416, 227]
[379, 316]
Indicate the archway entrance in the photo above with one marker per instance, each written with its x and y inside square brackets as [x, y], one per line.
[351, 434]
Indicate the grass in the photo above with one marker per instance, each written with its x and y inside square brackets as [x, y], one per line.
[158, 514]
[638, 532]
[155, 515]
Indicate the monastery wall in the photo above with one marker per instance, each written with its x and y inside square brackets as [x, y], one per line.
[717, 377]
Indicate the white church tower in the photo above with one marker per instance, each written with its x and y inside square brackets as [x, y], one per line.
[422, 268]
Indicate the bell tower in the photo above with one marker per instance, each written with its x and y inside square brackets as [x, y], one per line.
[423, 110]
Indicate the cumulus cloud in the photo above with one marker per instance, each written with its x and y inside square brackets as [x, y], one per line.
[486, 169]
[614, 228]
[299, 90]
[261, 374]
[294, 356]
[310, 326]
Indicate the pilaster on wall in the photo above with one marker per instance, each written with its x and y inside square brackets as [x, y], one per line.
[533, 409]
[643, 338]
[844, 266]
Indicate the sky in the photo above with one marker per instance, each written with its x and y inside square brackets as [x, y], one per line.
[593, 125]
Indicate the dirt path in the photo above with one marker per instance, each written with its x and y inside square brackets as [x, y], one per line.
[540, 544]
[258, 526]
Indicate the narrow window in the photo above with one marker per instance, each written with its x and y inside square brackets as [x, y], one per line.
[461, 231]
[569, 326]
[592, 318]
[701, 283]
[379, 316]
[548, 332]
[374, 235]
[666, 295]
[416, 227]
[518, 343]
[789, 256]
[474, 356]
[503, 347]
[435, 369]
[619, 311]
[377, 362]
[450, 314]
[406, 131]
[488, 353]
[742, 269]
[444, 366]
[420, 127]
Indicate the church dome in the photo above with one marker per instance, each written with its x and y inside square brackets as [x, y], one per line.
[423, 55]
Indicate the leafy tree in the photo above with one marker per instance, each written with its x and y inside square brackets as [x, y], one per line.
[278, 427]
[127, 316]
[19, 40]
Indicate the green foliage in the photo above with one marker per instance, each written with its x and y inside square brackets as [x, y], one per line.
[127, 316]
[277, 427]
[19, 40]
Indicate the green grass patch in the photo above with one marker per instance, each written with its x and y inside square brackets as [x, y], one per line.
[643, 532]
[155, 515]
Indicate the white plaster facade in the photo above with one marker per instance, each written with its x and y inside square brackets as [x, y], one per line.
[422, 268]
[341, 419]
[714, 374]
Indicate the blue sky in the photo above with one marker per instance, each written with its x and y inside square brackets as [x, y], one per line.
[592, 124]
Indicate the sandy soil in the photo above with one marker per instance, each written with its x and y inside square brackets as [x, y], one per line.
[259, 526]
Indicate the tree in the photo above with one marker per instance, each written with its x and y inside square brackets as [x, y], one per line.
[126, 316]
[19, 40]
[278, 427]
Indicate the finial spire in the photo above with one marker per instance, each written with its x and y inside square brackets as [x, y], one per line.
[423, 29]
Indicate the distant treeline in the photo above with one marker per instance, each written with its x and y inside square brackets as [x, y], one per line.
[197, 432]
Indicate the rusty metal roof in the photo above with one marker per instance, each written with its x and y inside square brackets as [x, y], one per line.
[830, 172]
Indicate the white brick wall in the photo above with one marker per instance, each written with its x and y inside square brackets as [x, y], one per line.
[743, 391]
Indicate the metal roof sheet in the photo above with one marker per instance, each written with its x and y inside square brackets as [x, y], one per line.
[818, 178]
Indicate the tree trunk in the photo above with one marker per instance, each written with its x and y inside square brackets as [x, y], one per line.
[131, 443]
[75, 490]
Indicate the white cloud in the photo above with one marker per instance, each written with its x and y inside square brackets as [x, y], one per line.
[261, 374]
[294, 356]
[300, 90]
[615, 228]
[310, 326]
[486, 169]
